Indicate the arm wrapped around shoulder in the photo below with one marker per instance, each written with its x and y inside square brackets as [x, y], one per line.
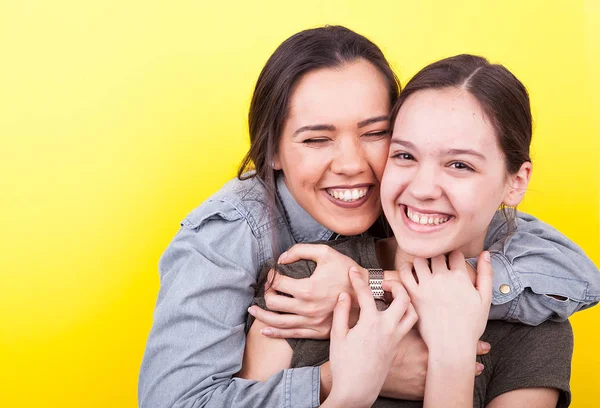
[539, 274]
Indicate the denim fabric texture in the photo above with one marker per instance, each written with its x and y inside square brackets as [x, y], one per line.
[208, 271]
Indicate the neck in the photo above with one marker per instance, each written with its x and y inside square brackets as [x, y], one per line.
[391, 256]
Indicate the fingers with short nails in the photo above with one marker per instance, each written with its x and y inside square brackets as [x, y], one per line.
[438, 264]
[285, 284]
[281, 321]
[407, 278]
[275, 333]
[313, 252]
[280, 303]
[362, 290]
[286, 326]
[485, 277]
[408, 320]
[456, 261]
[400, 301]
[341, 315]
[422, 269]
[401, 311]
[483, 347]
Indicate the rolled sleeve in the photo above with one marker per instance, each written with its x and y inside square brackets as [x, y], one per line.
[296, 394]
[197, 340]
[532, 267]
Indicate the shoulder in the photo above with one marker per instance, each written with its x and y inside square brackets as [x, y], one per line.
[530, 351]
[550, 337]
[511, 336]
[225, 232]
[245, 201]
[362, 250]
[524, 223]
[529, 357]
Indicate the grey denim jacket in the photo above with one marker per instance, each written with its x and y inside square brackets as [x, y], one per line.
[208, 271]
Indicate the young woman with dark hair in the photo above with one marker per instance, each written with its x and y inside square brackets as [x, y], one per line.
[459, 151]
[319, 130]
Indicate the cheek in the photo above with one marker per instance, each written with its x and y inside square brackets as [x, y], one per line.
[305, 166]
[475, 199]
[394, 181]
[466, 206]
[376, 154]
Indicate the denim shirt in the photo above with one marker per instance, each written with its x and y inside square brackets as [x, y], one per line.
[207, 275]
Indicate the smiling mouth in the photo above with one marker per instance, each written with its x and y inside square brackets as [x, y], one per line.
[348, 195]
[432, 219]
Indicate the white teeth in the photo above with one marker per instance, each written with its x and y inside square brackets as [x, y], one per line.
[352, 194]
[425, 219]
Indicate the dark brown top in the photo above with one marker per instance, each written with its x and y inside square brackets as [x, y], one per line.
[521, 356]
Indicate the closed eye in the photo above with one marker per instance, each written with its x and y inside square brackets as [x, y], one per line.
[315, 140]
[379, 134]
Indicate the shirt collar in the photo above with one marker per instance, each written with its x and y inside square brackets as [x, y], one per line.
[303, 226]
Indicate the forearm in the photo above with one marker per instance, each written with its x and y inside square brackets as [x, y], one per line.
[449, 380]
[326, 381]
[539, 274]
[169, 379]
[197, 341]
[264, 356]
[176, 373]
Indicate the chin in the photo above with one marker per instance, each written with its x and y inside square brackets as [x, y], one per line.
[422, 249]
[344, 227]
[349, 231]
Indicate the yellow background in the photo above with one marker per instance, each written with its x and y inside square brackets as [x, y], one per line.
[119, 117]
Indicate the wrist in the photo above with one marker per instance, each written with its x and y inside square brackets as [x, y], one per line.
[449, 355]
[450, 376]
[454, 341]
[364, 274]
[345, 400]
[325, 381]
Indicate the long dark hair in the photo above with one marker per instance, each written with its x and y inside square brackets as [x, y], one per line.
[503, 98]
[308, 50]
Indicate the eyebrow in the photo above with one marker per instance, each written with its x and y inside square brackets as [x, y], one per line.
[470, 152]
[331, 128]
[403, 143]
[450, 152]
[376, 119]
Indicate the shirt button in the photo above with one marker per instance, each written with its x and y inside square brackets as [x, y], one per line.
[505, 289]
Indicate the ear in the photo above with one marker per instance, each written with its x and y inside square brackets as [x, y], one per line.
[276, 163]
[517, 185]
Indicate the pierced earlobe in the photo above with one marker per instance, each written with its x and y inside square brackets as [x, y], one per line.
[518, 185]
[275, 165]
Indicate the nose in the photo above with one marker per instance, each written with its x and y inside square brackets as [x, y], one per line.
[349, 157]
[425, 185]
